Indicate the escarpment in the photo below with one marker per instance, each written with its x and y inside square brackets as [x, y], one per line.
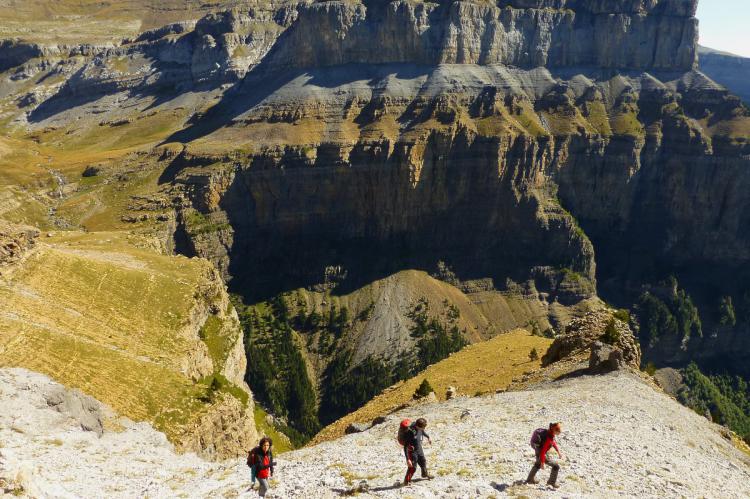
[539, 151]
[516, 142]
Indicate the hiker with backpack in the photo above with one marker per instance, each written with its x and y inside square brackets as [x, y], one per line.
[251, 458]
[410, 436]
[260, 460]
[542, 440]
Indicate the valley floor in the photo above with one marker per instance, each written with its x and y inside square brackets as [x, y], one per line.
[622, 438]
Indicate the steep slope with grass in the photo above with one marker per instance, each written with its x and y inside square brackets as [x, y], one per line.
[480, 449]
[153, 336]
[318, 354]
[477, 369]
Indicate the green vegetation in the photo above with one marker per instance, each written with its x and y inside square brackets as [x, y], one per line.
[423, 390]
[436, 340]
[218, 344]
[725, 398]
[727, 315]
[277, 372]
[533, 355]
[217, 383]
[281, 442]
[348, 389]
[622, 314]
[197, 223]
[611, 334]
[670, 314]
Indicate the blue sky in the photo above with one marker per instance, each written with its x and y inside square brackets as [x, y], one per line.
[725, 25]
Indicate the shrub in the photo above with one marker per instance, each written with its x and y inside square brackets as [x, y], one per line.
[611, 334]
[650, 369]
[727, 316]
[622, 314]
[423, 390]
[726, 398]
[533, 355]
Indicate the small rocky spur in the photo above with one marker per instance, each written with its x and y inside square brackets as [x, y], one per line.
[622, 437]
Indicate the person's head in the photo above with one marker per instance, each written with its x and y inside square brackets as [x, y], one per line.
[555, 428]
[421, 423]
[265, 444]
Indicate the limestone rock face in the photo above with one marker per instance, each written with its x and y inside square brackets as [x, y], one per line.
[605, 358]
[79, 406]
[584, 334]
[620, 34]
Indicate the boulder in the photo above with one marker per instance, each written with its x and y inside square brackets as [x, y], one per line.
[379, 420]
[356, 428]
[451, 392]
[605, 358]
[78, 406]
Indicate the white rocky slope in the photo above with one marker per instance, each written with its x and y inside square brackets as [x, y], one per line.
[622, 438]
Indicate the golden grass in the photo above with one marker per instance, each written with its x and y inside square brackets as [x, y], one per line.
[96, 313]
[479, 368]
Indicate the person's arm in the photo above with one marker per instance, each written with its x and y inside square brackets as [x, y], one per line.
[543, 452]
[427, 437]
[557, 449]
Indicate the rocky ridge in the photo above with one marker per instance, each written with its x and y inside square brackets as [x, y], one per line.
[480, 450]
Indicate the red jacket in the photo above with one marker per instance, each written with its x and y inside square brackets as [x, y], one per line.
[264, 465]
[549, 441]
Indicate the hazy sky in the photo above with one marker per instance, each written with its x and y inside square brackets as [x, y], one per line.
[725, 25]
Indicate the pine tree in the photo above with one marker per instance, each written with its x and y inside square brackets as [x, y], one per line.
[423, 390]
[533, 355]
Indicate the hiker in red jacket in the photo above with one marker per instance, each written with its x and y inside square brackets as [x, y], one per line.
[263, 462]
[413, 450]
[542, 441]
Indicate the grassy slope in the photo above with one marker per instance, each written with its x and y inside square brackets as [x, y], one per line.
[479, 368]
[96, 313]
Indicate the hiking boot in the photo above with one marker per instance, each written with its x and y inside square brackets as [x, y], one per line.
[427, 476]
[532, 482]
[554, 485]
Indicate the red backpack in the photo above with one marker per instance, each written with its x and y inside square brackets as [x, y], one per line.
[252, 457]
[403, 429]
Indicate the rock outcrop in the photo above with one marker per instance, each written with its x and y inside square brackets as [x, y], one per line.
[15, 241]
[586, 334]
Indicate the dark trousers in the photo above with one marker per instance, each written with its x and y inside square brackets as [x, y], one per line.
[412, 460]
[555, 467]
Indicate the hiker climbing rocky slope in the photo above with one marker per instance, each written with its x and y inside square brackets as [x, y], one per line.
[480, 449]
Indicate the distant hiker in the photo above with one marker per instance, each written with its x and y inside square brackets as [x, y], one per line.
[411, 437]
[542, 440]
[262, 461]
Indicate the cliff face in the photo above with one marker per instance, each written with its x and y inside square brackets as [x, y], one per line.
[730, 70]
[554, 33]
[562, 143]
